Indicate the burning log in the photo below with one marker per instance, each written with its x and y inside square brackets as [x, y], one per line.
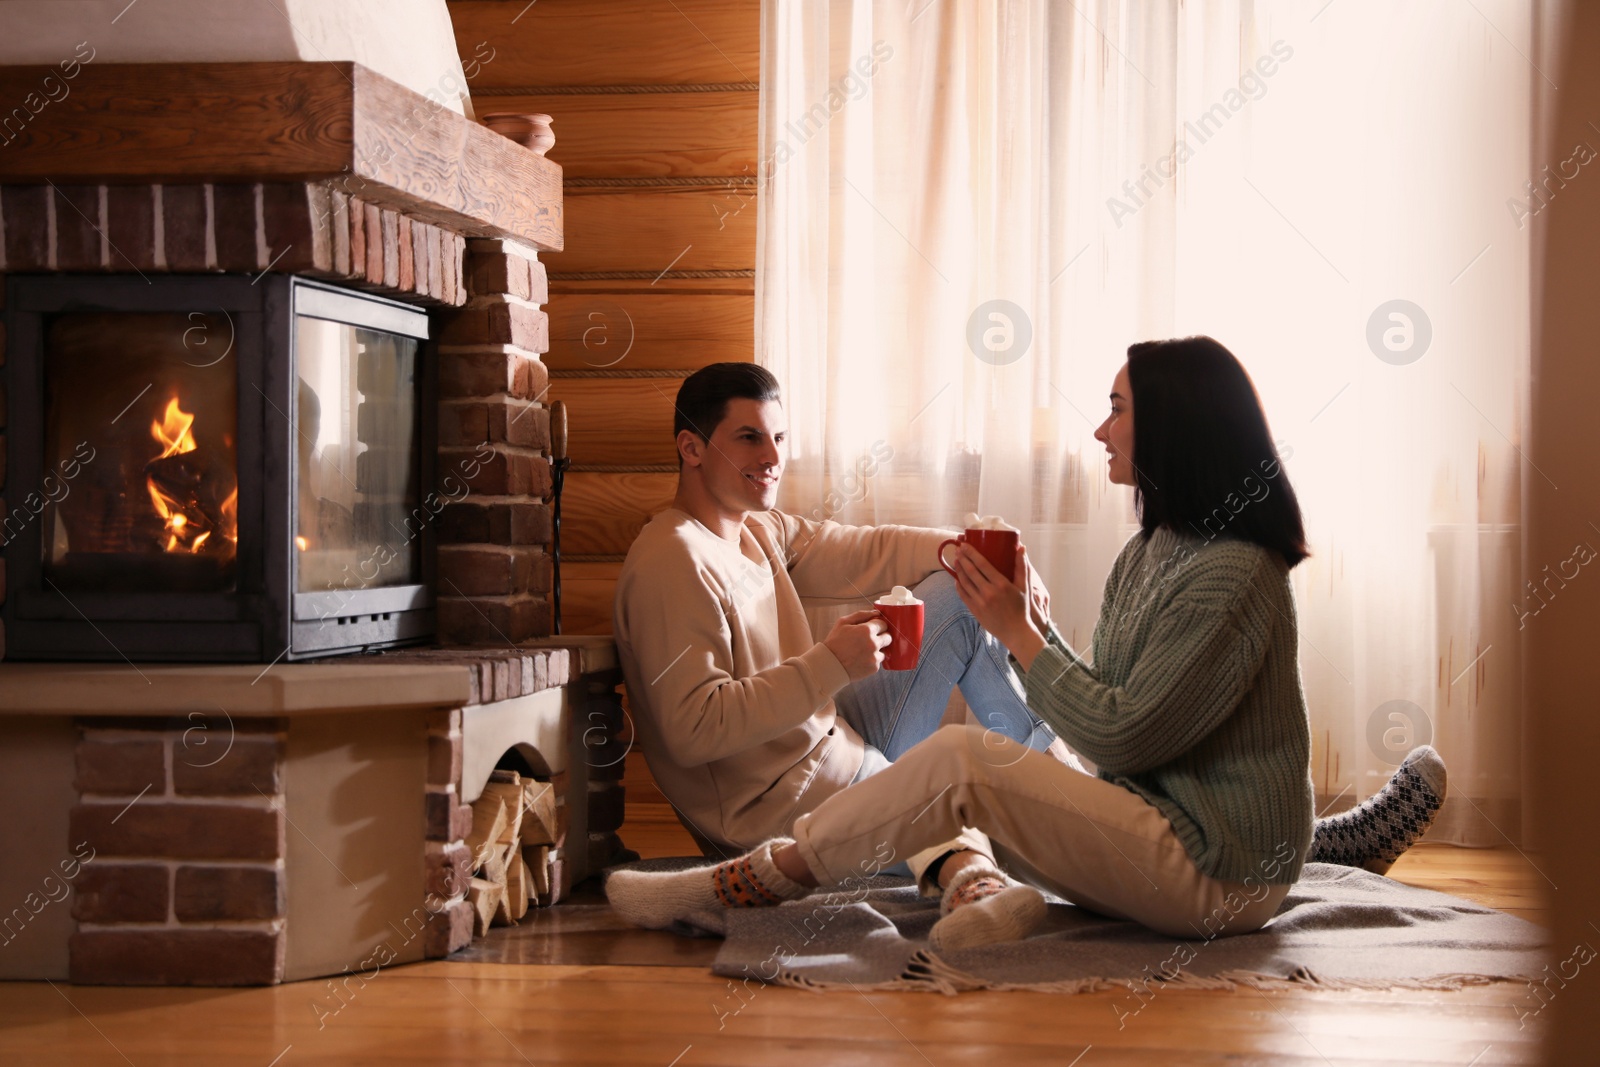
[186, 487]
[188, 493]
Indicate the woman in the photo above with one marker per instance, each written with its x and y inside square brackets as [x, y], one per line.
[1201, 816]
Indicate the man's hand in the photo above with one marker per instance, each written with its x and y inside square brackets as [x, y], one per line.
[858, 641]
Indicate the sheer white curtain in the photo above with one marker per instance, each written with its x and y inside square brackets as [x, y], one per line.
[1274, 174]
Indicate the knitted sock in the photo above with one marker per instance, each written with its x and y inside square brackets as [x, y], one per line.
[1374, 833]
[657, 899]
[981, 906]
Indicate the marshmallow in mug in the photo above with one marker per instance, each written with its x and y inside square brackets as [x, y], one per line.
[899, 596]
[987, 522]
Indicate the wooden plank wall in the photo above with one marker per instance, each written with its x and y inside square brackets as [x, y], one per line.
[655, 110]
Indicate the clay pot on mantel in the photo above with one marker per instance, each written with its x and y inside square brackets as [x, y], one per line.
[529, 131]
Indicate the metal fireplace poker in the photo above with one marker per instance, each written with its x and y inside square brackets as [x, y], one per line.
[558, 477]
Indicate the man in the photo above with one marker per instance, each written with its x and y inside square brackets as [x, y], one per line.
[746, 719]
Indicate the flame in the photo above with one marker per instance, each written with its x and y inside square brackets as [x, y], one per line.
[301, 543]
[185, 532]
[167, 507]
[173, 431]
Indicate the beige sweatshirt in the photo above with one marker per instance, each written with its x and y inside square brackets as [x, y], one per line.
[732, 694]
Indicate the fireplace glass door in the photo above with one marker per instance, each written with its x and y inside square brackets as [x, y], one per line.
[141, 477]
[358, 490]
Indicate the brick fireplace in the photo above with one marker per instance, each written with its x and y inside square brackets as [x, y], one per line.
[330, 830]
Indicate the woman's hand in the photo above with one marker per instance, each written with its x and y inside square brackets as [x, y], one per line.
[1038, 595]
[997, 603]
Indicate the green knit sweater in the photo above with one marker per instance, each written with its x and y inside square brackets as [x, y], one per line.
[1194, 700]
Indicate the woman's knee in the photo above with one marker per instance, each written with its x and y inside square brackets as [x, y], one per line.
[967, 752]
[941, 751]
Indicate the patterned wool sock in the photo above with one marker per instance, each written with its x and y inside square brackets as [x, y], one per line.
[657, 899]
[981, 906]
[1373, 834]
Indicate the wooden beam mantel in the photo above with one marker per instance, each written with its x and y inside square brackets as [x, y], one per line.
[140, 123]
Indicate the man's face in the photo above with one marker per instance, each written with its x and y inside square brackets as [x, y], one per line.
[743, 461]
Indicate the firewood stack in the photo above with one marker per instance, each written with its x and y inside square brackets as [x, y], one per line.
[515, 826]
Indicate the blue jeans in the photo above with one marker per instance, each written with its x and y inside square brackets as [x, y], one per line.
[894, 710]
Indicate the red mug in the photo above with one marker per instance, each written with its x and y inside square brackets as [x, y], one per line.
[905, 630]
[999, 547]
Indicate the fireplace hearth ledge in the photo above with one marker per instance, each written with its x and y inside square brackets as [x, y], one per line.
[111, 689]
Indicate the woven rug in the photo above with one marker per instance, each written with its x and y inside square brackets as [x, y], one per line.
[1339, 928]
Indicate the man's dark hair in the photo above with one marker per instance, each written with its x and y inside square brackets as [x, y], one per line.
[703, 397]
[1198, 434]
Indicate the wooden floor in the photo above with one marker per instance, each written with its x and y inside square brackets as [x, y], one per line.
[587, 990]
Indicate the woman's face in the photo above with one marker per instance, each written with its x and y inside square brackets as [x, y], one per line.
[1116, 433]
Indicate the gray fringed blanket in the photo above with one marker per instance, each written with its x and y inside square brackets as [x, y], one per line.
[1338, 928]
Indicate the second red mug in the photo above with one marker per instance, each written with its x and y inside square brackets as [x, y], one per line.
[999, 547]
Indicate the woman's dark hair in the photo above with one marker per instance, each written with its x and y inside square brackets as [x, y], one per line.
[703, 397]
[1203, 458]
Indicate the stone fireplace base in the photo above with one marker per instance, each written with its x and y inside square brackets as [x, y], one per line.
[229, 825]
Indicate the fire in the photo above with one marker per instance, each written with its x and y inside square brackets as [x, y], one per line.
[172, 432]
[167, 508]
[188, 524]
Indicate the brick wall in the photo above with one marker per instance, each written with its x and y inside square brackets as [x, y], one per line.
[316, 228]
[186, 826]
[448, 862]
[494, 437]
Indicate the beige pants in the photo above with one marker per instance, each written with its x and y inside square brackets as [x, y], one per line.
[1089, 841]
